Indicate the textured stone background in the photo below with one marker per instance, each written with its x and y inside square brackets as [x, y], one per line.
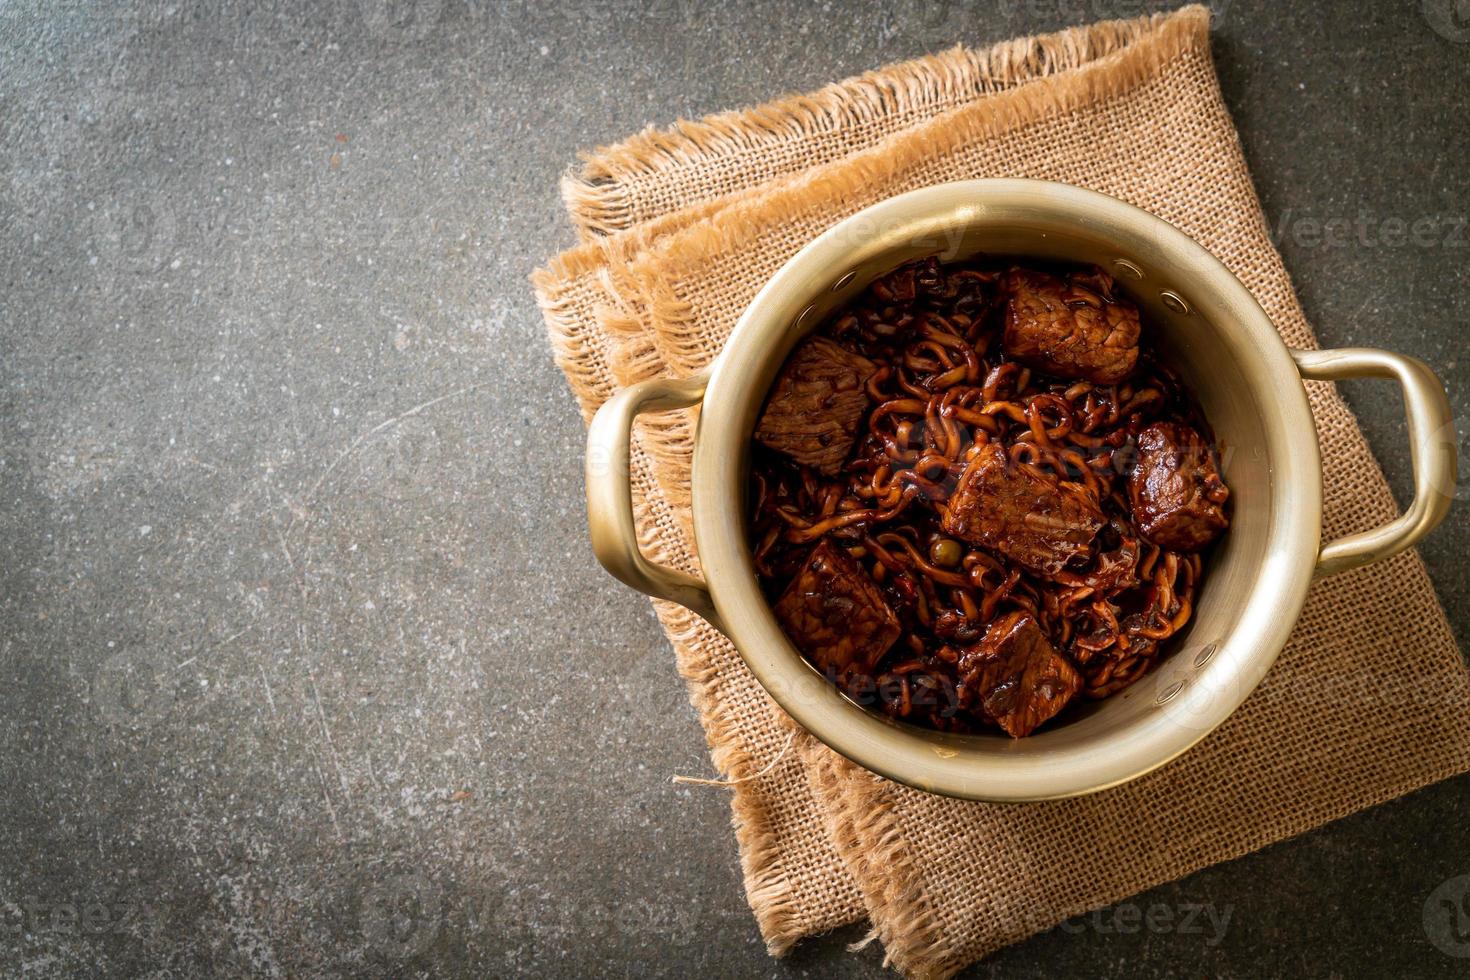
[305, 668]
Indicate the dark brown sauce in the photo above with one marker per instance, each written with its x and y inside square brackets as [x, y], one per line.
[978, 497]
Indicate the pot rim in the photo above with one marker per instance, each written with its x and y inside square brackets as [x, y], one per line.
[1027, 769]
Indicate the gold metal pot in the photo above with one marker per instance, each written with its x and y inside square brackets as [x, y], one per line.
[1248, 383]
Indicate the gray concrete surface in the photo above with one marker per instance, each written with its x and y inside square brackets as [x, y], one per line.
[305, 669]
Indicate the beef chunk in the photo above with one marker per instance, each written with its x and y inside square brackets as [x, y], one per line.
[834, 612]
[1036, 522]
[817, 405]
[1175, 490]
[1073, 328]
[1015, 677]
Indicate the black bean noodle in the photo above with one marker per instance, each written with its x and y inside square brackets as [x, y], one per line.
[939, 387]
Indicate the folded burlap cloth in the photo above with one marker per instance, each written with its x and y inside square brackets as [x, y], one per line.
[681, 227]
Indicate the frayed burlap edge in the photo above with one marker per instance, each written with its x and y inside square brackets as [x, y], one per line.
[599, 196]
[768, 891]
[858, 815]
[745, 215]
[861, 820]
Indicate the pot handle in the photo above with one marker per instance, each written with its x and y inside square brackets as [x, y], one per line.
[610, 492]
[1431, 447]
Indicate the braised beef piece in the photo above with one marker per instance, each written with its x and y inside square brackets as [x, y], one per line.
[1015, 677]
[834, 612]
[1073, 327]
[817, 405]
[1175, 489]
[1036, 522]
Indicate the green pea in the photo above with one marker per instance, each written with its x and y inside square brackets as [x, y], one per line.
[946, 553]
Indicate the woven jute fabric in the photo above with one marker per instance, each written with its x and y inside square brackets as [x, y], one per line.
[681, 228]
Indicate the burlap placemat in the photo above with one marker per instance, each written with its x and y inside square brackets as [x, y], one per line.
[682, 227]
